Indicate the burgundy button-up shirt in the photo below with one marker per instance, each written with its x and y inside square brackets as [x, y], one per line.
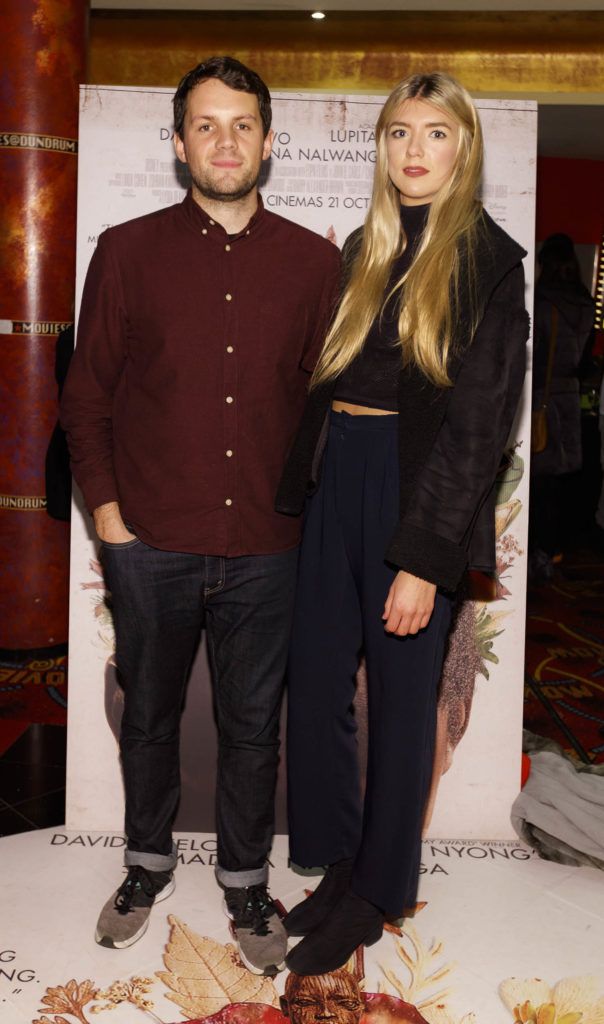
[190, 374]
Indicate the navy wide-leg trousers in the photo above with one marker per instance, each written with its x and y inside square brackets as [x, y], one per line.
[342, 588]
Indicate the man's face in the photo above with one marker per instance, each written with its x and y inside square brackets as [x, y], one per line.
[222, 141]
[330, 998]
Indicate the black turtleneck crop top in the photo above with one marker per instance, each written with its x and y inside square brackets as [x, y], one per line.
[371, 379]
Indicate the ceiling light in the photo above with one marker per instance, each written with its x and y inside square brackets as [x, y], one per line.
[317, 15]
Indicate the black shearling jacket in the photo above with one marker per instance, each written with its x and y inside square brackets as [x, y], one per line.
[450, 439]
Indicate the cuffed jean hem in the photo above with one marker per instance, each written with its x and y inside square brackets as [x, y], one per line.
[240, 879]
[151, 861]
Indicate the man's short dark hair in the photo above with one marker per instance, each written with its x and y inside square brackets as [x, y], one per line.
[232, 73]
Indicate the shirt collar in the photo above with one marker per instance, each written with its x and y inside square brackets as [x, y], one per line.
[201, 221]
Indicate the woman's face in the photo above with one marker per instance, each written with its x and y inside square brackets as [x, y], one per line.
[422, 143]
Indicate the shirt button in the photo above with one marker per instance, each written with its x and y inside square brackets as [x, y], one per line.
[229, 453]
[204, 231]
[228, 296]
[229, 399]
[212, 223]
[230, 349]
[227, 248]
[228, 502]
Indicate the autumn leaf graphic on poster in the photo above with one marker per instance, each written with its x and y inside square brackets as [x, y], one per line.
[209, 984]
[70, 998]
[203, 975]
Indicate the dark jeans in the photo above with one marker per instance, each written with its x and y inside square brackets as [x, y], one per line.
[342, 587]
[161, 602]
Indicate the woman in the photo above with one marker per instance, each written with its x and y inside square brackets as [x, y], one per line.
[409, 410]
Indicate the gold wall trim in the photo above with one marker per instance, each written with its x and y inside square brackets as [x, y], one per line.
[513, 51]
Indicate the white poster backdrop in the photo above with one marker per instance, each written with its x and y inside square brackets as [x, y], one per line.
[319, 175]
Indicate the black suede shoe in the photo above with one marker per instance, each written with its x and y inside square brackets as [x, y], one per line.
[310, 912]
[352, 923]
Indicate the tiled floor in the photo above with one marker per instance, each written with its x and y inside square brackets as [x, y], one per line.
[32, 780]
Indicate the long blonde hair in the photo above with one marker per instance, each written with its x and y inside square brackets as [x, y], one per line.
[428, 308]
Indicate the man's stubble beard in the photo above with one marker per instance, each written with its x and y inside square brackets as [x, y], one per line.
[210, 189]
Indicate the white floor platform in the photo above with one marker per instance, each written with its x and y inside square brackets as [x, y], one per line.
[493, 911]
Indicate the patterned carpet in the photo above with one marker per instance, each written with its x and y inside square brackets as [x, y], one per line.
[33, 686]
[564, 697]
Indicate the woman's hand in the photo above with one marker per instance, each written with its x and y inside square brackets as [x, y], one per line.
[409, 604]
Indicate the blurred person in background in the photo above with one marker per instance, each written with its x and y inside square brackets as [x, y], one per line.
[564, 314]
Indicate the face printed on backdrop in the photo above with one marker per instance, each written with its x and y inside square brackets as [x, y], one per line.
[331, 997]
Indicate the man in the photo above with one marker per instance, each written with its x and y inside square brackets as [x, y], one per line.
[199, 326]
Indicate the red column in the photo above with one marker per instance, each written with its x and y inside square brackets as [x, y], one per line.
[43, 57]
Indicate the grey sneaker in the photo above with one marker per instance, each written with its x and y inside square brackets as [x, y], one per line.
[257, 929]
[125, 916]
